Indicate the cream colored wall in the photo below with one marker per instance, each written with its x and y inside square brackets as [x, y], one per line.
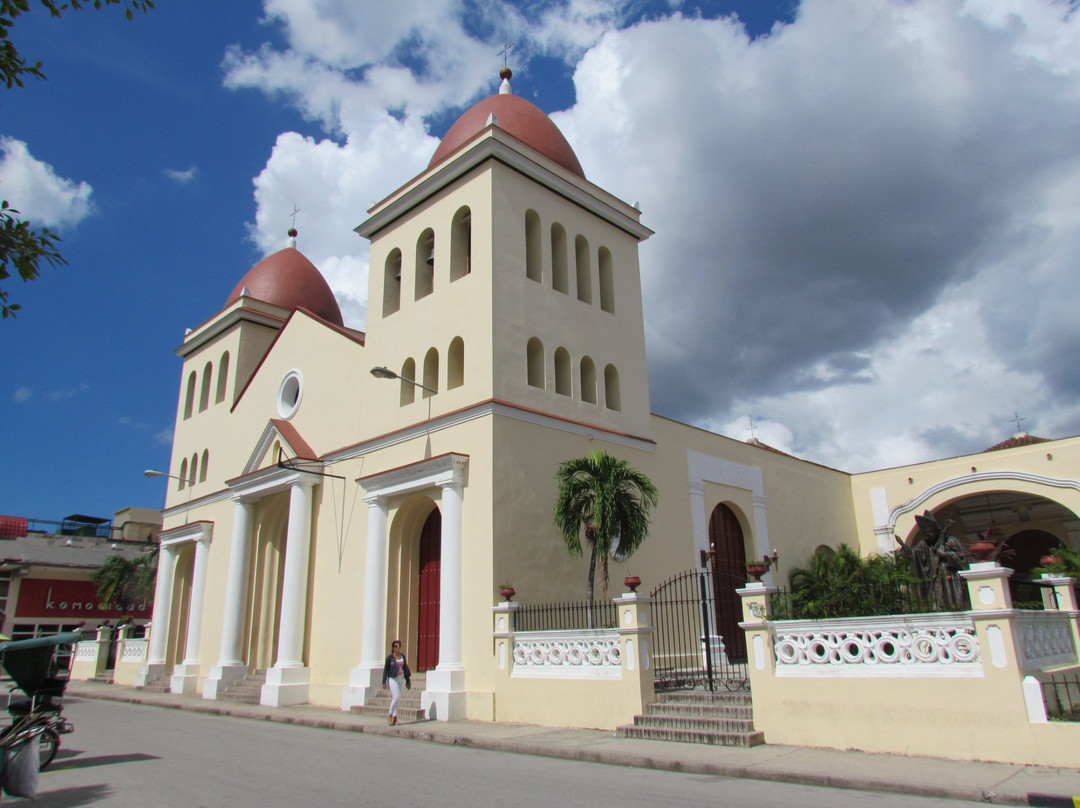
[806, 505]
[524, 308]
[454, 309]
[959, 719]
[1024, 469]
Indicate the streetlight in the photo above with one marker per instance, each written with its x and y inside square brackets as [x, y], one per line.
[156, 473]
[385, 373]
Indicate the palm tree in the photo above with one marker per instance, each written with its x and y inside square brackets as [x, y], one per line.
[120, 580]
[607, 500]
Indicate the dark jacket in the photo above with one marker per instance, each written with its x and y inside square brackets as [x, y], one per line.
[389, 670]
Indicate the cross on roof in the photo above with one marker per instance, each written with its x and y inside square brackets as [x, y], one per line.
[505, 51]
[1016, 419]
[295, 210]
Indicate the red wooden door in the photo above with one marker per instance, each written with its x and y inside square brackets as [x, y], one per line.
[729, 573]
[427, 644]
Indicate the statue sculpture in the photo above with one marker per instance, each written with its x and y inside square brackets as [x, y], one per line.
[936, 560]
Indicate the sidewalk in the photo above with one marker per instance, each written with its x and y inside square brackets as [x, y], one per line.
[997, 783]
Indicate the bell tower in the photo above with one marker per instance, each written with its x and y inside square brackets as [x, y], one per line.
[501, 273]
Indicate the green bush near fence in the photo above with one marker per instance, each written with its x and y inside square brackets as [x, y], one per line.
[841, 583]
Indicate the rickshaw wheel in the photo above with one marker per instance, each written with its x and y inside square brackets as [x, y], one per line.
[49, 745]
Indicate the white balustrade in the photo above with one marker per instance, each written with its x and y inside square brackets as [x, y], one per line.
[583, 654]
[930, 645]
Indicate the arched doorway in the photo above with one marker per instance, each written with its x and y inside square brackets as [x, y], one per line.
[728, 573]
[427, 640]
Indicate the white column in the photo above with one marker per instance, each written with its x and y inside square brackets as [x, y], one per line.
[368, 674]
[231, 666]
[287, 682]
[698, 518]
[185, 678]
[444, 699]
[761, 530]
[159, 639]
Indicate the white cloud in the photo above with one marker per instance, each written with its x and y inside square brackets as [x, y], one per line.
[37, 191]
[181, 177]
[333, 186]
[22, 394]
[867, 223]
[828, 199]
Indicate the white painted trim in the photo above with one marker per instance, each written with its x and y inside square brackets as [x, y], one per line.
[495, 143]
[702, 468]
[196, 531]
[434, 473]
[978, 477]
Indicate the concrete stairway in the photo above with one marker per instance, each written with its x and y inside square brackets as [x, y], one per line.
[247, 690]
[721, 719]
[377, 701]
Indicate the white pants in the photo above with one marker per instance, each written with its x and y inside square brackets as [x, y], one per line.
[396, 685]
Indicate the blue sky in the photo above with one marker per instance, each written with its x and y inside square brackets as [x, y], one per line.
[867, 211]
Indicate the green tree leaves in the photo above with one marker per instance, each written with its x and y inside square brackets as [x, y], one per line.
[608, 501]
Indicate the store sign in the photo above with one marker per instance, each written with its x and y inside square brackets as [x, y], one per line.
[48, 597]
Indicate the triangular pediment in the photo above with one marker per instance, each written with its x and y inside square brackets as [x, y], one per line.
[278, 435]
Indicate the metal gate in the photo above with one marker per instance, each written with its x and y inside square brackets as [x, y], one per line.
[689, 652]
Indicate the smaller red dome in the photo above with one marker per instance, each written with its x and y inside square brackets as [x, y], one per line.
[289, 280]
[520, 118]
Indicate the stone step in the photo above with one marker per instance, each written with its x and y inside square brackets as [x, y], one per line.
[247, 690]
[739, 739]
[720, 719]
[683, 711]
[697, 697]
[706, 724]
[377, 701]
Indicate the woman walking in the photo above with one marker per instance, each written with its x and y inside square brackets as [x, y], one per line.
[395, 674]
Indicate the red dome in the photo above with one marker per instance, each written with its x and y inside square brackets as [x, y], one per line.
[289, 280]
[518, 117]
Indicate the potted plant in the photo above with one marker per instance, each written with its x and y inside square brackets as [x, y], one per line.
[755, 569]
[507, 591]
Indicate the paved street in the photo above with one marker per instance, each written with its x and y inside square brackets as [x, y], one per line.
[125, 755]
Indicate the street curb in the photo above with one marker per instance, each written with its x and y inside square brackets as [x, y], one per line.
[630, 759]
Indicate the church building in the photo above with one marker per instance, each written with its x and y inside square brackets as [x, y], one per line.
[337, 489]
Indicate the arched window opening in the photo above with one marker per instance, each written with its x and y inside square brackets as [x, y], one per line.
[611, 388]
[563, 381]
[534, 358]
[455, 364]
[607, 281]
[194, 469]
[222, 378]
[205, 463]
[461, 244]
[584, 269]
[182, 475]
[425, 264]
[534, 268]
[408, 389]
[431, 372]
[189, 397]
[204, 392]
[588, 380]
[392, 283]
[560, 278]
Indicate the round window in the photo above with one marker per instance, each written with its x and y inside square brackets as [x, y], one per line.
[289, 394]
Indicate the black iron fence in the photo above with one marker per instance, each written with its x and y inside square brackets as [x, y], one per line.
[565, 616]
[1062, 696]
[690, 650]
[869, 598]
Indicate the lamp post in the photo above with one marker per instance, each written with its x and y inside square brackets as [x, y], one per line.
[186, 483]
[385, 373]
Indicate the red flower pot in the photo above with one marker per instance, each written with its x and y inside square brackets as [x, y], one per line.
[632, 582]
[755, 571]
